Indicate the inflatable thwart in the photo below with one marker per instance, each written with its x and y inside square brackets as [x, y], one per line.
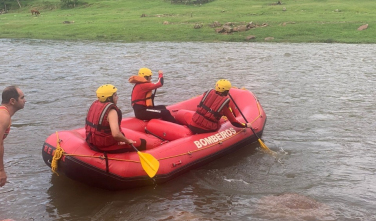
[168, 151]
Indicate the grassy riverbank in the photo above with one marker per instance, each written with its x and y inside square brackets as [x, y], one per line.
[114, 20]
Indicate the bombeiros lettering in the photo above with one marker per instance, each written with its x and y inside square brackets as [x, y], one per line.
[215, 138]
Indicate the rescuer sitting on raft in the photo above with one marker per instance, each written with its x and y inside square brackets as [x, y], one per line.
[103, 132]
[213, 105]
[143, 98]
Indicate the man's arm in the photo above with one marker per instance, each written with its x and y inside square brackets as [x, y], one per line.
[115, 130]
[230, 116]
[4, 123]
[3, 175]
[151, 86]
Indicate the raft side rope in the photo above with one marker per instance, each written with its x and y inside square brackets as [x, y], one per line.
[57, 155]
[100, 157]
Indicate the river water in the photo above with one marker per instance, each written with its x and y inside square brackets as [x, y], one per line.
[319, 99]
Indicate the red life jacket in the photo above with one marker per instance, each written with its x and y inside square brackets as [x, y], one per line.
[210, 110]
[8, 129]
[98, 131]
[140, 98]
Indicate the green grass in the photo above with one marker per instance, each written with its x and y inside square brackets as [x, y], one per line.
[120, 20]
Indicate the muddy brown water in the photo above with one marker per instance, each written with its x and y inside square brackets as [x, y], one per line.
[319, 100]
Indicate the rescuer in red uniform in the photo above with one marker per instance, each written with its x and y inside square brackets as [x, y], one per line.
[143, 97]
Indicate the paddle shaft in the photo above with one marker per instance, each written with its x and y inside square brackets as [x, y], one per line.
[134, 147]
[153, 96]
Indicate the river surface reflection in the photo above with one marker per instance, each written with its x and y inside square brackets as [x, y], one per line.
[319, 99]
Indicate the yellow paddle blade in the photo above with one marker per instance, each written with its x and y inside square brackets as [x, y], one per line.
[149, 163]
[266, 149]
[263, 145]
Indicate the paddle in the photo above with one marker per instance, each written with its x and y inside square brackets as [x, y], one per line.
[259, 139]
[148, 163]
[153, 96]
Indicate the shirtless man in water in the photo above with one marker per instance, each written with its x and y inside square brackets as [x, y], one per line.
[13, 100]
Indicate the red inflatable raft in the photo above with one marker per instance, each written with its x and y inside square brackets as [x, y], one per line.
[175, 148]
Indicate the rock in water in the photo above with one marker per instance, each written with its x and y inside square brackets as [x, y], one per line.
[292, 206]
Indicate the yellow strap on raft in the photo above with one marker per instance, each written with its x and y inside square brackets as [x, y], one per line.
[57, 155]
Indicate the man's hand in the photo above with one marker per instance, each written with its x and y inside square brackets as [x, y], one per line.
[160, 74]
[3, 178]
[129, 141]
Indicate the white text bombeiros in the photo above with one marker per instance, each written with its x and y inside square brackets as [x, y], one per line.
[215, 138]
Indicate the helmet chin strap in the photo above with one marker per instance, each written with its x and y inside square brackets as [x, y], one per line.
[110, 99]
[225, 93]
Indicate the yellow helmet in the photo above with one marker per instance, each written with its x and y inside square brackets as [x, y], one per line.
[222, 85]
[105, 91]
[144, 72]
